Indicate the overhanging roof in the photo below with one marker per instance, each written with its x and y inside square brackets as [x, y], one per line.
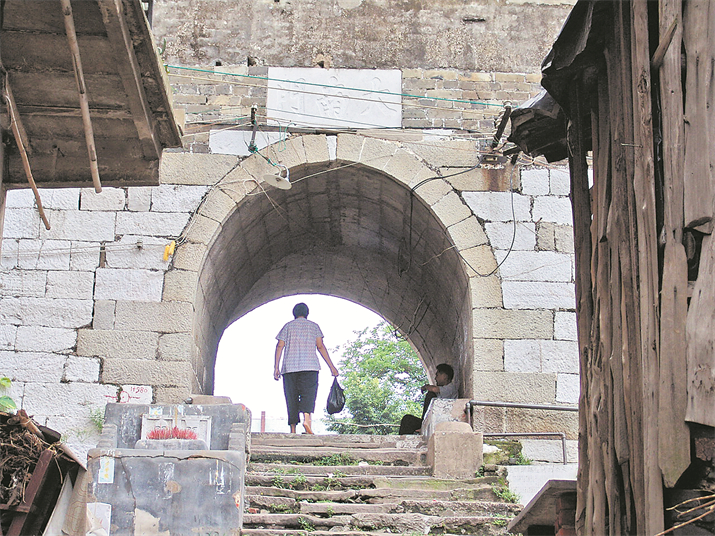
[129, 104]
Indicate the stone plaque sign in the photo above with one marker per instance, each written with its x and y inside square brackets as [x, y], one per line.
[339, 98]
[200, 424]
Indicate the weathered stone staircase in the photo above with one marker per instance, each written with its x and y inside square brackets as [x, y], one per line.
[300, 484]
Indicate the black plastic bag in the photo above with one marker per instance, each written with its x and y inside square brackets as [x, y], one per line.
[336, 398]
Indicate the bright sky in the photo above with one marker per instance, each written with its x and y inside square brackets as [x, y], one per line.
[244, 364]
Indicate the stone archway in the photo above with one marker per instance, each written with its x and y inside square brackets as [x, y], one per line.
[344, 230]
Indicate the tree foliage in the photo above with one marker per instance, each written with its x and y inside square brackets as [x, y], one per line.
[381, 375]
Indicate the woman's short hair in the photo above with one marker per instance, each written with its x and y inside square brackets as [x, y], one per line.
[300, 309]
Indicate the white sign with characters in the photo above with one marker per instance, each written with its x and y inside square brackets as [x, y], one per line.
[338, 98]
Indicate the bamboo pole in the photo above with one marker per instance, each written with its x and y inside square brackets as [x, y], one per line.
[17, 132]
[82, 89]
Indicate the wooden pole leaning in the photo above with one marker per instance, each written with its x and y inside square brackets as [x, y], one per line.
[17, 131]
[82, 89]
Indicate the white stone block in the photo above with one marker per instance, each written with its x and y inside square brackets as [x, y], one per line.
[143, 252]
[535, 266]
[71, 284]
[7, 337]
[16, 392]
[194, 168]
[20, 198]
[136, 394]
[501, 234]
[9, 253]
[563, 238]
[84, 256]
[176, 198]
[568, 388]
[560, 182]
[23, 283]
[117, 344]
[554, 209]
[522, 356]
[60, 198]
[497, 206]
[81, 369]
[21, 223]
[111, 199]
[130, 285]
[44, 254]
[80, 225]
[151, 223]
[139, 198]
[559, 356]
[32, 366]
[67, 398]
[535, 181]
[551, 451]
[538, 295]
[236, 142]
[54, 313]
[565, 327]
[42, 339]
[176, 347]
[103, 314]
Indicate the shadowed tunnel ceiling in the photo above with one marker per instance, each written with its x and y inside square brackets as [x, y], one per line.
[343, 233]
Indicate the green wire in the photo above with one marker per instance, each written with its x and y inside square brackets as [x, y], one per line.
[334, 87]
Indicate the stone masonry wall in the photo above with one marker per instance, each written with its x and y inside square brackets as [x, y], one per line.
[89, 312]
[224, 95]
[475, 35]
[537, 275]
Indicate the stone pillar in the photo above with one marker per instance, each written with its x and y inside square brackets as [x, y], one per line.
[454, 451]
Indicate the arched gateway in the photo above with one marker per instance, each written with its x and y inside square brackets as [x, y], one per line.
[91, 312]
[359, 222]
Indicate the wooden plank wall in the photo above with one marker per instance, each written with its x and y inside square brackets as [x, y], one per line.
[637, 379]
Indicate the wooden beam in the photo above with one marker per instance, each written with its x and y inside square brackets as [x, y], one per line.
[66, 111]
[16, 128]
[82, 89]
[130, 72]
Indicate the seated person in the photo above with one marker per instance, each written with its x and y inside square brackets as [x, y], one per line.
[444, 389]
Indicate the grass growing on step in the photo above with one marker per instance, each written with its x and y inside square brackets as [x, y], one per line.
[500, 520]
[305, 524]
[501, 490]
[336, 459]
[522, 460]
[284, 509]
[299, 482]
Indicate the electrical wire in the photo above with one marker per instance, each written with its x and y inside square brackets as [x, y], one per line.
[459, 253]
[345, 97]
[328, 86]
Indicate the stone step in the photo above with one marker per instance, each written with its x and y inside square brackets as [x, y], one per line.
[357, 441]
[385, 456]
[402, 523]
[375, 496]
[324, 470]
[300, 481]
[287, 532]
[430, 483]
[426, 507]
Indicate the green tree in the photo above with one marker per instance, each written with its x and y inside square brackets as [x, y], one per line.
[381, 375]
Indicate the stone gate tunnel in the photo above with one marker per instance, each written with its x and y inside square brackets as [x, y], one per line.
[346, 228]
